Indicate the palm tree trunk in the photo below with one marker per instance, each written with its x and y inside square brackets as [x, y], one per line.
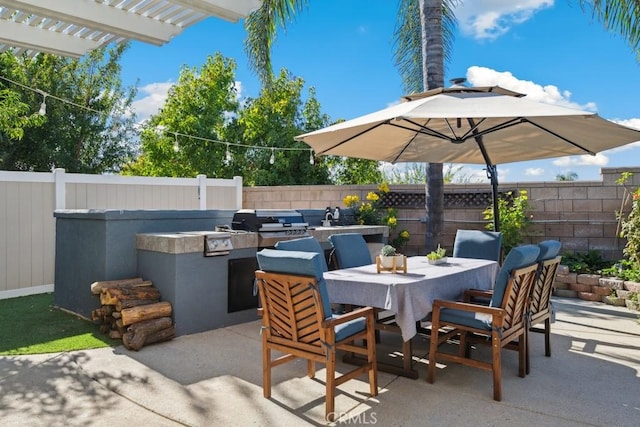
[433, 77]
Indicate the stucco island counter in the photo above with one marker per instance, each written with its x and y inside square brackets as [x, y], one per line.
[209, 292]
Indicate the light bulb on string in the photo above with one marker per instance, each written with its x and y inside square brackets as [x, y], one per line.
[272, 159]
[228, 154]
[311, 161]
[176, 147]
[43, 107]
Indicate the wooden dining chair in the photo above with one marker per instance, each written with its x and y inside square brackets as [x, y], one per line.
[297, 321]
[540, 306]
[350, 250]
[304, 244]
[478, 244]
[502, 321]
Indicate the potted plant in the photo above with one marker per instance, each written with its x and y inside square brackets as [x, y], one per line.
[388, 254]
[438, 256]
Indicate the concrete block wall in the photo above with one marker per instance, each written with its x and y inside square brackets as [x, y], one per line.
[581, 214]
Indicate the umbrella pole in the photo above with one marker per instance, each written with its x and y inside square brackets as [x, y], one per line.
[492, 174]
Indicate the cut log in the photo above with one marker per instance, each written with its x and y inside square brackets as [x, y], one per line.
[150, 326]
[136, 340]
[113, 295]
[97, 287]
[128, 303]
[115, 334]
[145, 312]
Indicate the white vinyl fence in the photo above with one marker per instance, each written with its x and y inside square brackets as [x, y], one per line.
[28, 201]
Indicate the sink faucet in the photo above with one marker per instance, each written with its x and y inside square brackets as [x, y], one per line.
[328, 217]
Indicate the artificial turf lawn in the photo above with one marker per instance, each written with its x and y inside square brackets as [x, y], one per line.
[32, 325]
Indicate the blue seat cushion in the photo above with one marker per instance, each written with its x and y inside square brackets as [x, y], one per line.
[297, 263]
[349, 328]
[351, 250]
[477, 244]
[518, 257]
[461, 317]
[304, 244]
[549, 249]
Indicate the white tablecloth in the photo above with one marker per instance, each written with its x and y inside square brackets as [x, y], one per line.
[410, 296]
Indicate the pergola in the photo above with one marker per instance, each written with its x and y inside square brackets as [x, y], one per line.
[74, 27]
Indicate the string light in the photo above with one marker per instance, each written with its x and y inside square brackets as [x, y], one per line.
[228, 155]
[176, 147]
[162, 129]
[43, 106]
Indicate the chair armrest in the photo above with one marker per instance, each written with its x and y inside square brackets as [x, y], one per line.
[464, 306]
[470, 293]
[343, 318]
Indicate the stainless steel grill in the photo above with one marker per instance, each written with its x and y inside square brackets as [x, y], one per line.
[272, 225]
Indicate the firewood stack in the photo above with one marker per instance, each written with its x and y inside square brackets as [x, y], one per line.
[132, 311]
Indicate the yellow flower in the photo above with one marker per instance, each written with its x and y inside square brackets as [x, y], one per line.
[404, 234]
[350, 200]
[372, 196]
[383, 188]
[392, 221]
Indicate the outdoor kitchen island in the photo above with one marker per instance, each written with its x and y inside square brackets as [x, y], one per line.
[207, 288]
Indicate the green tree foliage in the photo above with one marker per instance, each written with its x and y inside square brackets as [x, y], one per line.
[272, 120]
[15, 116]
[514, 217]
[197, 111]
[204, 114]
[87, 127]
[568, 176]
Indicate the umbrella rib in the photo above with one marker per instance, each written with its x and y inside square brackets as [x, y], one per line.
[426, 130]
[354, 136]
[560, 137]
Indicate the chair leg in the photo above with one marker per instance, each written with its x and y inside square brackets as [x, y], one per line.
[330, 386]
[433, 345]
[523, 353]
[311, 368]
[527, 357]
[371, 357]
[497, 366]
[266, 371]
[547, 337]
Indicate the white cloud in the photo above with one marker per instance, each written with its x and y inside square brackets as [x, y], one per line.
[550, 94]
[490, 19]
[534, 171]
[585, 160]
[152, 101]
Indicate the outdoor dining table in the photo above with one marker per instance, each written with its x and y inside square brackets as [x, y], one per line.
[409, 295]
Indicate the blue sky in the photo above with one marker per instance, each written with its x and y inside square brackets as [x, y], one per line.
[550, 50]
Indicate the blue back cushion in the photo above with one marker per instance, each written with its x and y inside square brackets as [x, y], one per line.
[518, 257]
[549, 249]
[477, 244]
[304, 244]
[351, 250]
[300, 263]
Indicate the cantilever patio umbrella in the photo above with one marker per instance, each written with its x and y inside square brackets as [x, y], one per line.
[477, 125]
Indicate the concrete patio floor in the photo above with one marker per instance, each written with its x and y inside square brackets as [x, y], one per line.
[214, 379]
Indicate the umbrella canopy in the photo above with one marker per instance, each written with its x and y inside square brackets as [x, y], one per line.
[481, 125]
[470, 125]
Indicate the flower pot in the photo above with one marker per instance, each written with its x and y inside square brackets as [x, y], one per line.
[387, 261]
